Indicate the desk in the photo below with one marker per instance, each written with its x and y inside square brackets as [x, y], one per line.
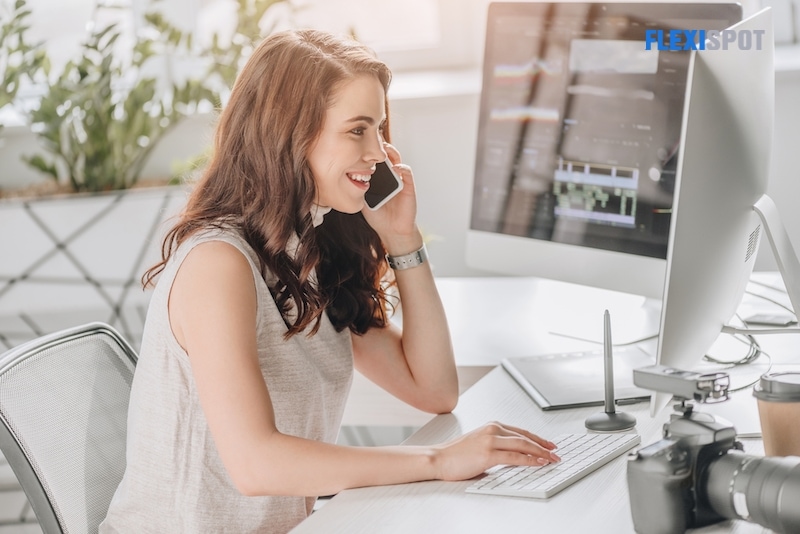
[491, 319]
[598, 503]
[497, 317]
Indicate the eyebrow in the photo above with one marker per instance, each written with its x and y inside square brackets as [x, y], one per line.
[365, 118]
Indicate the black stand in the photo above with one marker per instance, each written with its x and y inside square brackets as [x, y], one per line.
[610, 420]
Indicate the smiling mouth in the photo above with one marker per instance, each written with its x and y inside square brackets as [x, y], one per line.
[360, 178]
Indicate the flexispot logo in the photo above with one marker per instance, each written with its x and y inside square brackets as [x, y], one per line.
[673, 40]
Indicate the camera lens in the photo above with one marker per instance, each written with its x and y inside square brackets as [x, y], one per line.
[764, 490]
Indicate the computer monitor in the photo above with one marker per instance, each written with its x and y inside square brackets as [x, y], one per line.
[721, 211]
[578, 141]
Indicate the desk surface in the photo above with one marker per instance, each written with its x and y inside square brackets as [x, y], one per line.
[490, 319]
[599, 503]
[497, 317]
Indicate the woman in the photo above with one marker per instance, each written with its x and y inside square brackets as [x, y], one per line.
[270, 290]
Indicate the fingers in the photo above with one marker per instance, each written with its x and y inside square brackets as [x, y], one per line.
[541, 441]
[404, 172]
[515, 439]
[521, 445]
[392, 153]
[517, 458]
[490, 445]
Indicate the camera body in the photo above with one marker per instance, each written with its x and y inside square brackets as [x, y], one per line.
[697, 474]
[667, 480]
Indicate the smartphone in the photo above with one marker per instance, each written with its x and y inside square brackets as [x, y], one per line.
[383, 185]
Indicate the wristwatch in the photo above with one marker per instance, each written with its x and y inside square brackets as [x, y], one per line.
[407, 261]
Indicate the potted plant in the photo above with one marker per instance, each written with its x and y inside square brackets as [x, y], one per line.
[98, 134]
[77, 255]
[19, 58]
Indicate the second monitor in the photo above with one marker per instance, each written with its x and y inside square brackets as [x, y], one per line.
[578, 141]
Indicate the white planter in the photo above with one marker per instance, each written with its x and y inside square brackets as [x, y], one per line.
[78, 258]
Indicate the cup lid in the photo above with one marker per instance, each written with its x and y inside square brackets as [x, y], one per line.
[779, 387]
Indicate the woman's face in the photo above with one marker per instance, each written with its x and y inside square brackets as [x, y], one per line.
[350, 144]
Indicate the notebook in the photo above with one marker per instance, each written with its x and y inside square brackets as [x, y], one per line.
[573, 379]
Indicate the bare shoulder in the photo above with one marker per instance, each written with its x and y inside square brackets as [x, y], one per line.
[214, 288]
[214, 267]
[215, 256]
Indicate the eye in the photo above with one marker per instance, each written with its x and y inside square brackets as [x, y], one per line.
[358, 131]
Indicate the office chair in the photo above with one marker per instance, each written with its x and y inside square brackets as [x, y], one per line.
[9, 492]
[63, 409]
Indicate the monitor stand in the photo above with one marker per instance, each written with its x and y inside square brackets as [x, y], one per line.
[637, 321]
[785, 257]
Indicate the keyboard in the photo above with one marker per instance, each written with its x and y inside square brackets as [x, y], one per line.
[580, 455]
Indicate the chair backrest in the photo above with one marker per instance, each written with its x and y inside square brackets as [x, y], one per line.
[63, 421]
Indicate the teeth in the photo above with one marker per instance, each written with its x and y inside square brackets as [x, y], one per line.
[360, 177]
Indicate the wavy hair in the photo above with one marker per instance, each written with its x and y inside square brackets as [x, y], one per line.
[259, 178]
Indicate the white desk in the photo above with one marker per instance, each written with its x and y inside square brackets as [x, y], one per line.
[496, 317]
[598, 503]
[490, 319]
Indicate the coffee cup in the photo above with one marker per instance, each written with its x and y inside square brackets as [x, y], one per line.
[778, 397]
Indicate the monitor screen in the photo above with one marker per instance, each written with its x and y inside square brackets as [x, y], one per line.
[578, 138]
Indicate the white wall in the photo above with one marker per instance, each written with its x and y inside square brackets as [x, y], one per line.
[784, 180]
[436, 135]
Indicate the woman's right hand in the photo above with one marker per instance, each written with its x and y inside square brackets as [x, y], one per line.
[490, 445]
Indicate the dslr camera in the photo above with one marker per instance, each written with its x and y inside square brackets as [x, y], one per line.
[698, 474]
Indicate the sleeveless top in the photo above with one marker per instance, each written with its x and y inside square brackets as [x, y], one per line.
[174, 479]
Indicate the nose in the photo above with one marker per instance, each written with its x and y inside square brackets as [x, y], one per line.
[375, 152]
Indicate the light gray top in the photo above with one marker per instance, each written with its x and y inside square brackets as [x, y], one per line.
[174, 480]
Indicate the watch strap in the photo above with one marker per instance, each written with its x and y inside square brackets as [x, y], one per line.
[407, 261]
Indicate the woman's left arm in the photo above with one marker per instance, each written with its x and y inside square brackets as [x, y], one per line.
[416, 364]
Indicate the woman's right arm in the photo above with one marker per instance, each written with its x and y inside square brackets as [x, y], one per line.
[212, 310]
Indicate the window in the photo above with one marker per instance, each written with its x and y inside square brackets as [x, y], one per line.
[407, 34]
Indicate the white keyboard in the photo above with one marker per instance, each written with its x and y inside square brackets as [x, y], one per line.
[580, 455]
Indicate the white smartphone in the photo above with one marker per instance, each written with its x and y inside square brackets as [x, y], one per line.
[383, 185]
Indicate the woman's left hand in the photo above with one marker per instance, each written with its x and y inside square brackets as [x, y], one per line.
[395, 221]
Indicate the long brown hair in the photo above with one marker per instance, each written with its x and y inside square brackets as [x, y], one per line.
[259, 178]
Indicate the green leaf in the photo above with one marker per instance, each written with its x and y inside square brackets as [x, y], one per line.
[39, 163]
